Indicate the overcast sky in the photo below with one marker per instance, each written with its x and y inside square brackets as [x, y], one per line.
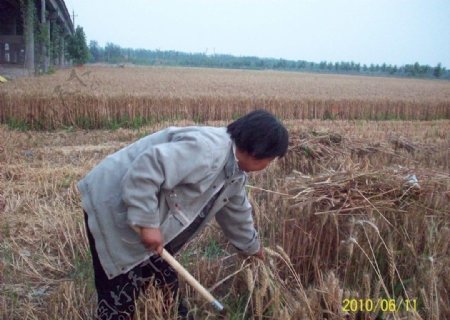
[365, 31]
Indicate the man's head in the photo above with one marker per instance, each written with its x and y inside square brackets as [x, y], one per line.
[259, 138]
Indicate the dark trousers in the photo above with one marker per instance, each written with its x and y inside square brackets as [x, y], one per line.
[116, 296]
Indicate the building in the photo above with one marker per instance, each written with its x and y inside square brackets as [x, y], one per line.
[33, 33]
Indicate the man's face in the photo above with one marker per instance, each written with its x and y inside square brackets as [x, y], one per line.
[248, 163]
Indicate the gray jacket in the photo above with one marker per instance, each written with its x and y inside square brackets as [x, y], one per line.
[164, 180]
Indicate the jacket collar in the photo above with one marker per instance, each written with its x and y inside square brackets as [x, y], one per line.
[231, 166]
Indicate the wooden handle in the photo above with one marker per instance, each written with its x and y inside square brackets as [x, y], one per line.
[187, 276]
[190, 279]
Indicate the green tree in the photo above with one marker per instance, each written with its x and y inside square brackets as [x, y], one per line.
[77, 47]
[113, 53]
[336, 66]
[438, 70]
[96, 51]
[416, 68]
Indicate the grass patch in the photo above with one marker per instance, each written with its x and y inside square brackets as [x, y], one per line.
[83, 271]
[236, 307]
[18, 124]
[213, 250]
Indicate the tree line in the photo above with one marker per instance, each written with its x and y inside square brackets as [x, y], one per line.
[112, 53]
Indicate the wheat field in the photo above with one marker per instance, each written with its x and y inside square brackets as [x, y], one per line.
[358, 210]
[104, 97]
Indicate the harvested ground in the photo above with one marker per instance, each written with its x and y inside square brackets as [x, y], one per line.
[341, 218]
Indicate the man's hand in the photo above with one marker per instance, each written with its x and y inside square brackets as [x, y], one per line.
[152, 239]
[260, 254]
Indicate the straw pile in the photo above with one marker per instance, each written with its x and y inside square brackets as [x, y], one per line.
[313, 152]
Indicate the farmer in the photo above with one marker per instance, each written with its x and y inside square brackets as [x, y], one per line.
[171, 184]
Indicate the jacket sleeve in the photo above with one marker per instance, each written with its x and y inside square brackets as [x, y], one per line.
[162, 166]
[236, 221]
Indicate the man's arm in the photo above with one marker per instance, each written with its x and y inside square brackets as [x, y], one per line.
[236, 221]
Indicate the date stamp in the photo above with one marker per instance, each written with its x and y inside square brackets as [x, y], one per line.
[380, 304]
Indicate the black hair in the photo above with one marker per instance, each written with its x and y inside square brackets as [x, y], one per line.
[260, 134]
